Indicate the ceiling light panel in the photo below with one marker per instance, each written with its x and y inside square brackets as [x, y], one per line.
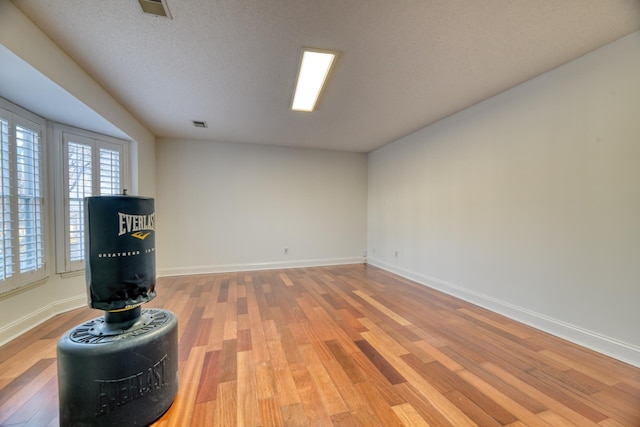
[315, 66]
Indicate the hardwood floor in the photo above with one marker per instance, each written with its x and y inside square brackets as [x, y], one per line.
[344, 346]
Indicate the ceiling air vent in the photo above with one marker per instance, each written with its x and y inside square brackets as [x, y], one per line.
[155, 7]
[199, 124]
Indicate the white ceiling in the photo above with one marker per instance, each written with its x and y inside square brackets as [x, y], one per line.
[403, 64]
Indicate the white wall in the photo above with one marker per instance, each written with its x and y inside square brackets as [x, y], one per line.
[527, 203]
[19, 312]
[231, 207]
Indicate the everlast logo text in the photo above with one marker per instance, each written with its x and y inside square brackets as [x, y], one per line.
[115, 393]
[128, 223]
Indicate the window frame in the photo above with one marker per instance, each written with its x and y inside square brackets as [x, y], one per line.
[62, 135]
[19, 117]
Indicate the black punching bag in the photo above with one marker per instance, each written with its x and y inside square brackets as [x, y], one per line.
[120, 369]
[120, 246]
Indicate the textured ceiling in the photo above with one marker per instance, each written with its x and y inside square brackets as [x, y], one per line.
[403, 64]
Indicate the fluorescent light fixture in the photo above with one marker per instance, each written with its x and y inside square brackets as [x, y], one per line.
[315, 65]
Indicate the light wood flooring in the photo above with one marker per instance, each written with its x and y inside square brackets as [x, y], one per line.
[343, 346]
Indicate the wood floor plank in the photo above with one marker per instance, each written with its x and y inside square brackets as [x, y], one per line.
[270, 413]
[619, 405]
[228, 366]
[523, 414]
[357, 406]
[258, 341]
[377, 337]
[409, 416]
[294, 415]
[265, 380]
[554, 419]
[385, 347]
[521, 397]
[326, 388]
[45, 405]
[349, 345]
[424, 407]
[438, 355]
[287, 391]
[286, 280]
[247, 394]
[208, 379]
[606, 377]
[557, 407]
[216, 335]
[202, 415]
[348, 365]
[379, 406]
[231, 322]
[30, 355]
[313, 405]
[377, 380]
[610, 423]
[226, 411]
[381, 363]
[183, 405]
[16, 399]
[382, 308]
[15, 385]
[477, 414]
[213, 286]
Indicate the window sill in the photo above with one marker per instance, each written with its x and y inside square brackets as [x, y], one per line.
[69, 274]
[23, 288]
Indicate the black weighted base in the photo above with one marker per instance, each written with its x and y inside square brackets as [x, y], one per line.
[125, 377]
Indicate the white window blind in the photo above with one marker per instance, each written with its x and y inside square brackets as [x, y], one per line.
[29, 199]
[109, 172]
[22, 246]
[93, 165]
[6, 267]
[79, 177]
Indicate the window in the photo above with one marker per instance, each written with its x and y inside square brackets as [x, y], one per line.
[92, 165]
[22, 234]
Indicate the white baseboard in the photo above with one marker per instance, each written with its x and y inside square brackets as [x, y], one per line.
[68, 304]
[30, 321]
[228, 268]
[622, 351]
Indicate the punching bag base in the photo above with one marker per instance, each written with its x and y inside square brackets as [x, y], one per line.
[125, 378]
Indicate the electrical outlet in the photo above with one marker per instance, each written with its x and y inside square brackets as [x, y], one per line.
[286, 251]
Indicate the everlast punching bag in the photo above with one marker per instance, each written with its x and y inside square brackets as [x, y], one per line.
[120, 369]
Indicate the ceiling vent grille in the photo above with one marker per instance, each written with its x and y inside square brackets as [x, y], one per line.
[199, 124]
[155, 7]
